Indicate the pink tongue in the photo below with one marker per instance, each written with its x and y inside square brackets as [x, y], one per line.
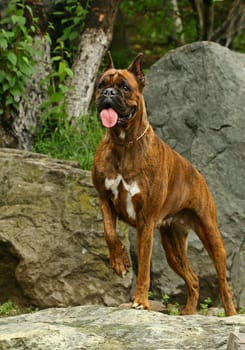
[108, 117]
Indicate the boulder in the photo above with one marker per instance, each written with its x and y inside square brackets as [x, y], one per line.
[195, 100]
[93, 327]
[53, 251]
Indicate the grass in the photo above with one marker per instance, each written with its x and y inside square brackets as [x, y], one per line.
[77, 141]
[9, 308]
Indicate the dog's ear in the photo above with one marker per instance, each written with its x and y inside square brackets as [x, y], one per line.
[135, 68]
[110, 63]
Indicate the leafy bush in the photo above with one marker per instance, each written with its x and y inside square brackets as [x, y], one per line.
[9, 308]
[16, 55]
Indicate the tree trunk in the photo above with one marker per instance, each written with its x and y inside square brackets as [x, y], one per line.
[198, 15]
[204, 16]
[208, 15]
[178, 22]
[26, 121]
[94, 42]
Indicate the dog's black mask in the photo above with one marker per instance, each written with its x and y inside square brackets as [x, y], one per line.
[114, 97]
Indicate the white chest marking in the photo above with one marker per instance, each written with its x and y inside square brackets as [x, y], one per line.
[132, 189]
[112, 184]
[122, 135]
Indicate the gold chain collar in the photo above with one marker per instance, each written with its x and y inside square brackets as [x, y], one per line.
[143, 134]
[137, 139]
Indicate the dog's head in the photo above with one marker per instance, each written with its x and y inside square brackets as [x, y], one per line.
[119, 93]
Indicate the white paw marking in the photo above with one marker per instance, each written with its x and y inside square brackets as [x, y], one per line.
[132, 189]
[138, 306]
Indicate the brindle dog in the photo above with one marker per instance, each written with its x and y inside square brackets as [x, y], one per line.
[141, 180]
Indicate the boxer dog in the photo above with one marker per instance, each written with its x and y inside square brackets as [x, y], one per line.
[144, 182]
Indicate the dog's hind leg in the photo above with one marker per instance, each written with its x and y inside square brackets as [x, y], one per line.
[174, 240]
[144, 251]
[211, 238]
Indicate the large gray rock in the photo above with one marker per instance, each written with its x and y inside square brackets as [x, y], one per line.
[196, 102]
[52, 248]
[91, 327]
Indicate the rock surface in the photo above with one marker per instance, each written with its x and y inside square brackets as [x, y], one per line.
[195, 101]
[52, 247]
[92, 327]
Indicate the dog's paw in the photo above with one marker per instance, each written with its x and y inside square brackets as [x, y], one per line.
[120, 264]
[140, 305]
[187, 310]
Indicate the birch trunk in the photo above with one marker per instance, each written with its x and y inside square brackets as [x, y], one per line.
[25, 122]
[92, 48]
[94, 42]
[178, 22]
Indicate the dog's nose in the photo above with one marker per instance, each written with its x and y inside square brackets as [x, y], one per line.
[109, 92]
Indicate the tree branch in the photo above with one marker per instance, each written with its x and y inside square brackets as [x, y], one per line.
[233, 25]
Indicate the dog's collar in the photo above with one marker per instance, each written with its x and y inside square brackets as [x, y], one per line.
[142, 135]
[137, 139]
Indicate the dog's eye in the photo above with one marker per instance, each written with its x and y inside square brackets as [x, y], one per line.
[101, 84]
[125, 87]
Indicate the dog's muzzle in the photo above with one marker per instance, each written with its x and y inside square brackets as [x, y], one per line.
[112, 108]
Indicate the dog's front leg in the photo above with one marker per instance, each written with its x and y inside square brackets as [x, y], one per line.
[118, 257]
[144, 250]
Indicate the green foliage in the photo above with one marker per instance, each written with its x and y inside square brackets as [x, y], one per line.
[151, 29]
[171, 309]
[151, 26]
[174, 309]
[71, 14]
[150, 295]
[9, 308]
[72, 142]
[16, 54]
[148, 25]
[205, 305]
[54, 107]
[239, 43]
[220, 313]
[165, 299]
[242, 310]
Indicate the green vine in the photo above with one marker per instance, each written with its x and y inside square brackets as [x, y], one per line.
[16, 55]
[72, 15]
